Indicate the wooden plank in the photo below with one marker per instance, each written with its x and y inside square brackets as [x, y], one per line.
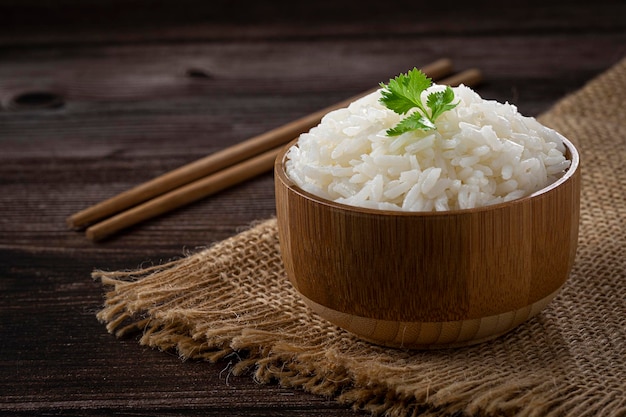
[37, 22]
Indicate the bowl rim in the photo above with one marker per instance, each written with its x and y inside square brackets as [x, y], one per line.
[279, 170]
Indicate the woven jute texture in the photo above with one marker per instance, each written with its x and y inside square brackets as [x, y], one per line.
[568, 360]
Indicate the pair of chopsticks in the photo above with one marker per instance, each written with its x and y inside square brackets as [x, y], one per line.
[220, 170]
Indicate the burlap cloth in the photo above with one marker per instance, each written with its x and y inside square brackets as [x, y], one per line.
[568, 360]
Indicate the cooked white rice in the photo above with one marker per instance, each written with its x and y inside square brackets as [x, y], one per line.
[482, 153]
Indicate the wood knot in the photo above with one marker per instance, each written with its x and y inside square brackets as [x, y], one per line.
[199, 73]
[36, 100]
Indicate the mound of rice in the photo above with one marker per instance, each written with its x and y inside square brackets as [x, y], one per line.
[482, 153]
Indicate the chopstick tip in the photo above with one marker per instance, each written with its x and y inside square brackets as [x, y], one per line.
[93, 234]
[469, 77]
[72, 222]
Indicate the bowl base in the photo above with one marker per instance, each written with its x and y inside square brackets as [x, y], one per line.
[429, 335]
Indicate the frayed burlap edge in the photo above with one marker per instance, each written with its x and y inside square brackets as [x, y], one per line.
[187, 306]
[222, 301]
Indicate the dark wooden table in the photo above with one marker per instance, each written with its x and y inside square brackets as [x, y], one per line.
[97, 96]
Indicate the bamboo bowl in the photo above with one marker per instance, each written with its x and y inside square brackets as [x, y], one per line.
[429, 280]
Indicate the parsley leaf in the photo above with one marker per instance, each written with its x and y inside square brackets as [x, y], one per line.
[440, 101]
[413, 122]
[403, 93]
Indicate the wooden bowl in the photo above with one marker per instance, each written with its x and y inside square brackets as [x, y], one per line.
[431, 279]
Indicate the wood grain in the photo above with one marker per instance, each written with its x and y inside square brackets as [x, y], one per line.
[431, 334]
[225, 159]
[146, 87]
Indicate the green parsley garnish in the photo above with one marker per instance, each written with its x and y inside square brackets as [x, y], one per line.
[403, 93]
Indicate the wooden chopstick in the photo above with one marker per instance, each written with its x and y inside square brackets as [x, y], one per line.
[220, 180]
[222, 159]
[186, 194]
[470, 78]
